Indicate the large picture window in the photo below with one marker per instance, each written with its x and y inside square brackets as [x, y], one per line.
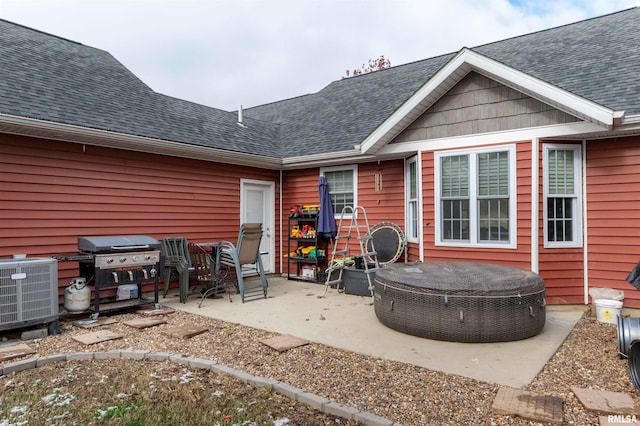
[475, 195]
[562, 189]
[342, 184]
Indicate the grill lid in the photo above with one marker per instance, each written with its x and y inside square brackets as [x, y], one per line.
[116, 243]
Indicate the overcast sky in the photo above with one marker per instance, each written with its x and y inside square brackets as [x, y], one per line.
[224, 53]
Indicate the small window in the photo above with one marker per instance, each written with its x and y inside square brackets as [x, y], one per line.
[455, 197]
[341, 182]
[476, 198]
[411, 183]
[562, 188]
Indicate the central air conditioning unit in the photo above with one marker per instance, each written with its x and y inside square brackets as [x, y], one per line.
[28, 293]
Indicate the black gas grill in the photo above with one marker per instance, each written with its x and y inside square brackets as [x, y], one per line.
[114, 261]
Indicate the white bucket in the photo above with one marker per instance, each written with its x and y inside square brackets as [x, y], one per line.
[608, 310]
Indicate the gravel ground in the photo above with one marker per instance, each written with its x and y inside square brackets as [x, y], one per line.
[403, 393]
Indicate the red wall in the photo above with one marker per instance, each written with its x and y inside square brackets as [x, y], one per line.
[561, 268]
[52, 192]
[613, 203]
[387, 205]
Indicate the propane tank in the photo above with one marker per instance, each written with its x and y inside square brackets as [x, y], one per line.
[77, 296]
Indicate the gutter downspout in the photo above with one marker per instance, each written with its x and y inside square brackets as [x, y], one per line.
[585, 239]
[535, 181]
[281, 224]
[420, 206]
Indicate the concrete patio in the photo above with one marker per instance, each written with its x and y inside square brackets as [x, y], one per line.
[348, 322]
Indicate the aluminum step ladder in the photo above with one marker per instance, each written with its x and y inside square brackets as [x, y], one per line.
[357, 227]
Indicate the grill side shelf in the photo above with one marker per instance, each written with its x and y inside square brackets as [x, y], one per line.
[73, 257]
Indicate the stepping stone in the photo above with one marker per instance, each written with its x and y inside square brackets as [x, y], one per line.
[11, 352]
[96, 337]
[284, 342]
[185, 331]
[540, 408]
[144, 322]
[94, 323]
[151, 312]
[605, 402]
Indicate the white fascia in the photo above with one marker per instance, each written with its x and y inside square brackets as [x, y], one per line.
[83, 135]
[326, 159]
[490, 138]
[467, 60]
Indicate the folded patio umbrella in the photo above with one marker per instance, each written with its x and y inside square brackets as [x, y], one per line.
[326, 220]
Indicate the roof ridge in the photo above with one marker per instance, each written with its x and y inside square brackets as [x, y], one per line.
[43, 32]
[278, 101]
[197, 104]
[593, 18]
[395, 67]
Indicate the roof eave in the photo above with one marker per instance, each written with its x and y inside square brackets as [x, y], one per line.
[457, 68]
[24, 126]
[326, 159]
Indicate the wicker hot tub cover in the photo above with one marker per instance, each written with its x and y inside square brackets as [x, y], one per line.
[460, 301]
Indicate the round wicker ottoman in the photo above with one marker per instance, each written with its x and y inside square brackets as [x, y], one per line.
[460, 301]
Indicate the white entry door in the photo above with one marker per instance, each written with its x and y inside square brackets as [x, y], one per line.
[257, 203]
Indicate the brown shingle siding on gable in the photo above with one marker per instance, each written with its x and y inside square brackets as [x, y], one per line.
[479, 105]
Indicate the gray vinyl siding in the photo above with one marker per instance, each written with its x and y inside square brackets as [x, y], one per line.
[478, 104]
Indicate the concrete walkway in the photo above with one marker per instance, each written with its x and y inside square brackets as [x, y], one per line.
[348, 322]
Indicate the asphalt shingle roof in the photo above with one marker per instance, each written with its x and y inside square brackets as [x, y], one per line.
[50, 78]
[598, 59]
[54, 79]
[346, 111]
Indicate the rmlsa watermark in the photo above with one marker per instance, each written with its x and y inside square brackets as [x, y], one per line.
[622, 418]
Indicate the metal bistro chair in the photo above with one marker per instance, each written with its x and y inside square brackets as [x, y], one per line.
[205, 273]
[175, 252]
[245, 252]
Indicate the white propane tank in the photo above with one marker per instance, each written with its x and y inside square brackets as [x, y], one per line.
[77, 296]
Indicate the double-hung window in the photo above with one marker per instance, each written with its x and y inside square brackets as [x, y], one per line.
[411, 188]
[562, 195]
[476, 198]
[342, 184]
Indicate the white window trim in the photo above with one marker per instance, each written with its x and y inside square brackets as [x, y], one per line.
[408, 161]
[473, 207]
[577, 167]
[354, 169]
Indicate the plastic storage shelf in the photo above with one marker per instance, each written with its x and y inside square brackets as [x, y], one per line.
[307, 259]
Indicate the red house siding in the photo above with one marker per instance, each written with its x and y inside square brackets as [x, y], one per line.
[299, 187]
[387, 205]
[613, 205]
[561, 268]
[52, 192]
